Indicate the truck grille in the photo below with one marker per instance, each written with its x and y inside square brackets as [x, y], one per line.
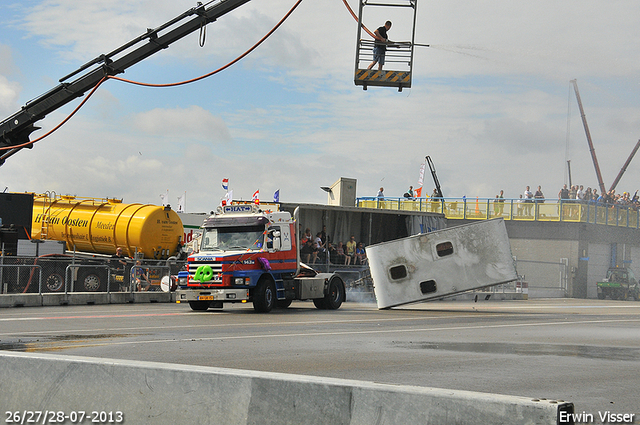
[216, 269]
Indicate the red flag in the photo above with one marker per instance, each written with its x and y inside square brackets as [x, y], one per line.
[256, 197]
[418, 192]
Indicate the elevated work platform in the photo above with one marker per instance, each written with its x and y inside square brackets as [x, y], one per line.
[370, 77]
[398, 55]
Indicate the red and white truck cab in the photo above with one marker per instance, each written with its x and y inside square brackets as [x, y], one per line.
[250, 255]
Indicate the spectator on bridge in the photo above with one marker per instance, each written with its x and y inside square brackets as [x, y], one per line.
[380, 195]
[539, 196]
[528, 199]
[564, 193]
[587, 195]
[409, 193]
[500, 202]
[519, 206]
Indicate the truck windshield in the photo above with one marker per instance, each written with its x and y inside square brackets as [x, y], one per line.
[233, 238]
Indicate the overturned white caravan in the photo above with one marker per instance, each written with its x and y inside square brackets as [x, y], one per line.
[445, 262]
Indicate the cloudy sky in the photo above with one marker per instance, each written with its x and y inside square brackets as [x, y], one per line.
[491, 100]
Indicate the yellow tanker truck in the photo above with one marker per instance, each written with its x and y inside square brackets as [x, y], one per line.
[93, 228]
[101, 225]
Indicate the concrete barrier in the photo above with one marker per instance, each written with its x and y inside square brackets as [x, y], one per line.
[159, 393]
[80, 298]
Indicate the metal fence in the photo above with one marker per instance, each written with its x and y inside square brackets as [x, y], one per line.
[545, 275]
[65, 274]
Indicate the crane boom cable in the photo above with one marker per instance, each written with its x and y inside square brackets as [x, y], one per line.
[202, 77]
[367, 30]
[106, 77]
[61, 123]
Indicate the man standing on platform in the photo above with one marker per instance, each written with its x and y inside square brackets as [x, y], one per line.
[380, 47]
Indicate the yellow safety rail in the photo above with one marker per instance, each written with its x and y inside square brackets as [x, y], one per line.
[512, 209]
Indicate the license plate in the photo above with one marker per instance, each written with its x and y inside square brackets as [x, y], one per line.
[205, 298]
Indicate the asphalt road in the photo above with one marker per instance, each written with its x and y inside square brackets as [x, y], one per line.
[583, 351]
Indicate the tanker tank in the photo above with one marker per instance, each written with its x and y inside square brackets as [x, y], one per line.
[101, 225]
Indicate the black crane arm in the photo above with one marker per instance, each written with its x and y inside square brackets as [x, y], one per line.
[435, 177]
[16, 129]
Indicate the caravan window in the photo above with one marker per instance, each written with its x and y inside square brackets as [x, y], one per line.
[398, 272]
[444, 249]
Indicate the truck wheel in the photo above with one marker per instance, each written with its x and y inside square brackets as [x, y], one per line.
[54, 282]
[264, 296]
[601, 296]
[283, 303]
[335, 294]
[320, 303]
[89, 281]
[199, 305]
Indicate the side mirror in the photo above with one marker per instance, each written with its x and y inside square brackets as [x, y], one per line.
[275, 237]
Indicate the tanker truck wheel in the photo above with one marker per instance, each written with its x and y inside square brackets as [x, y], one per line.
[54, 282]
[89, 281]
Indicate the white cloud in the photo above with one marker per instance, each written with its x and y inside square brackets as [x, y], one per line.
[8, 95]
[183, 124]
[488, 103]
[9, 90]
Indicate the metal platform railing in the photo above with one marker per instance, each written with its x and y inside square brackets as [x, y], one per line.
[513, 209]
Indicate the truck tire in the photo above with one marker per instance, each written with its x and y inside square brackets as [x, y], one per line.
[320, 303]
[199, 305]
[264, 296]
[601, 296]
[335, 293]
[283, 303]
[90, 280]
[334, 297]
[54, 282]
[624, 294]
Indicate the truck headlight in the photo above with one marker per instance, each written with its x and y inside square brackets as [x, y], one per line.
[182, 281]
[241, 280]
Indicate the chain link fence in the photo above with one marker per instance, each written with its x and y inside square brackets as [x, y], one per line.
[62, 274]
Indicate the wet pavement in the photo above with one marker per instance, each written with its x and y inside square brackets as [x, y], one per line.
[583, 351]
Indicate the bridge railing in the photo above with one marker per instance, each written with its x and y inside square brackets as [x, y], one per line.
[513, 209]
